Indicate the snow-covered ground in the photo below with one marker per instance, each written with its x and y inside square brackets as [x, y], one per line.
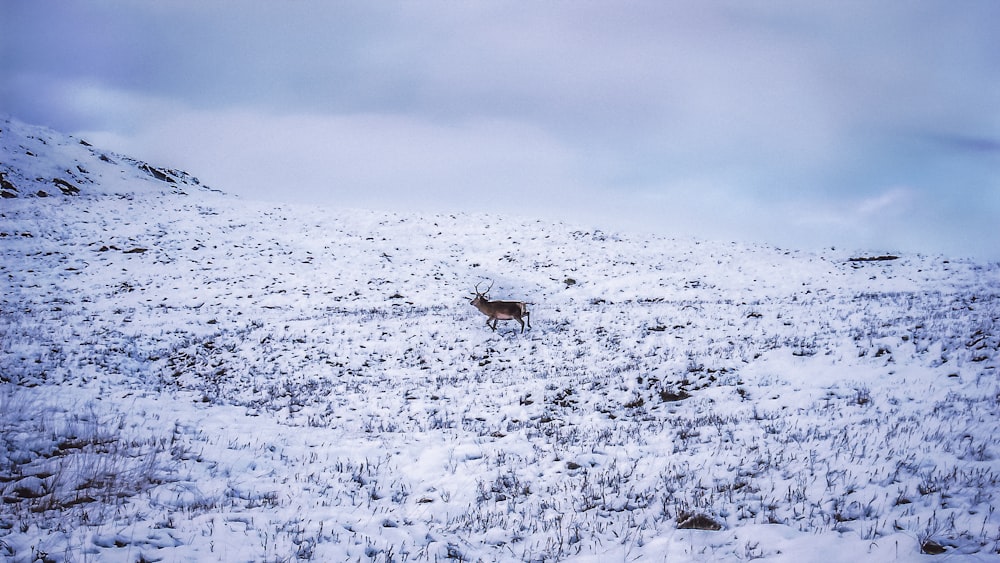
[186, 375]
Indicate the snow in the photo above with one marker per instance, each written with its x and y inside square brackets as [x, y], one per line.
[191, 376]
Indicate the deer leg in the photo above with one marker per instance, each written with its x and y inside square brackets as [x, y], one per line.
[494, 325]
[522, 324]
[527, 317]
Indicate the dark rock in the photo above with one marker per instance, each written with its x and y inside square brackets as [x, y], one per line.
[931, 547]
[65, 187]
[883, 258]
[697, 522]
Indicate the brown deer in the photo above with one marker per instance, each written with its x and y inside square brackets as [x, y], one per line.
[500, 310]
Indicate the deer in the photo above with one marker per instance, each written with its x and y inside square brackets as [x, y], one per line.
[500, 310]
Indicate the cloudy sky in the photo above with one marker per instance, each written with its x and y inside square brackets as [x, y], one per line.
[862, 125]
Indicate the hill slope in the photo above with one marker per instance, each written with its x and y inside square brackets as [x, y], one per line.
[187, 375]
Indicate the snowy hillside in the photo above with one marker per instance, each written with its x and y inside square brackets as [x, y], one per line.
[189, 376]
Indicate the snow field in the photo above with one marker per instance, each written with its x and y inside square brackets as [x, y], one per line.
[189, 376]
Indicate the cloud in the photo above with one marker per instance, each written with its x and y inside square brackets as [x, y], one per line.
[984, 146]
[893, 201]
[394, 161]
[774, 120]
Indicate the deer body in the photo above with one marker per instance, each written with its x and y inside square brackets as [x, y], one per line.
[496, 311]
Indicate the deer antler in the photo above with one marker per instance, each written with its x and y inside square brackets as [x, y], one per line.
[487, 289]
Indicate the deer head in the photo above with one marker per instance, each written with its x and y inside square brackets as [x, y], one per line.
[481, 296]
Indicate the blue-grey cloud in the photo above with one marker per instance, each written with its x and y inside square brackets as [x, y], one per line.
[849, 123]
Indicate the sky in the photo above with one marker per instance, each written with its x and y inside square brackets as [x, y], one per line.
[851, 124]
